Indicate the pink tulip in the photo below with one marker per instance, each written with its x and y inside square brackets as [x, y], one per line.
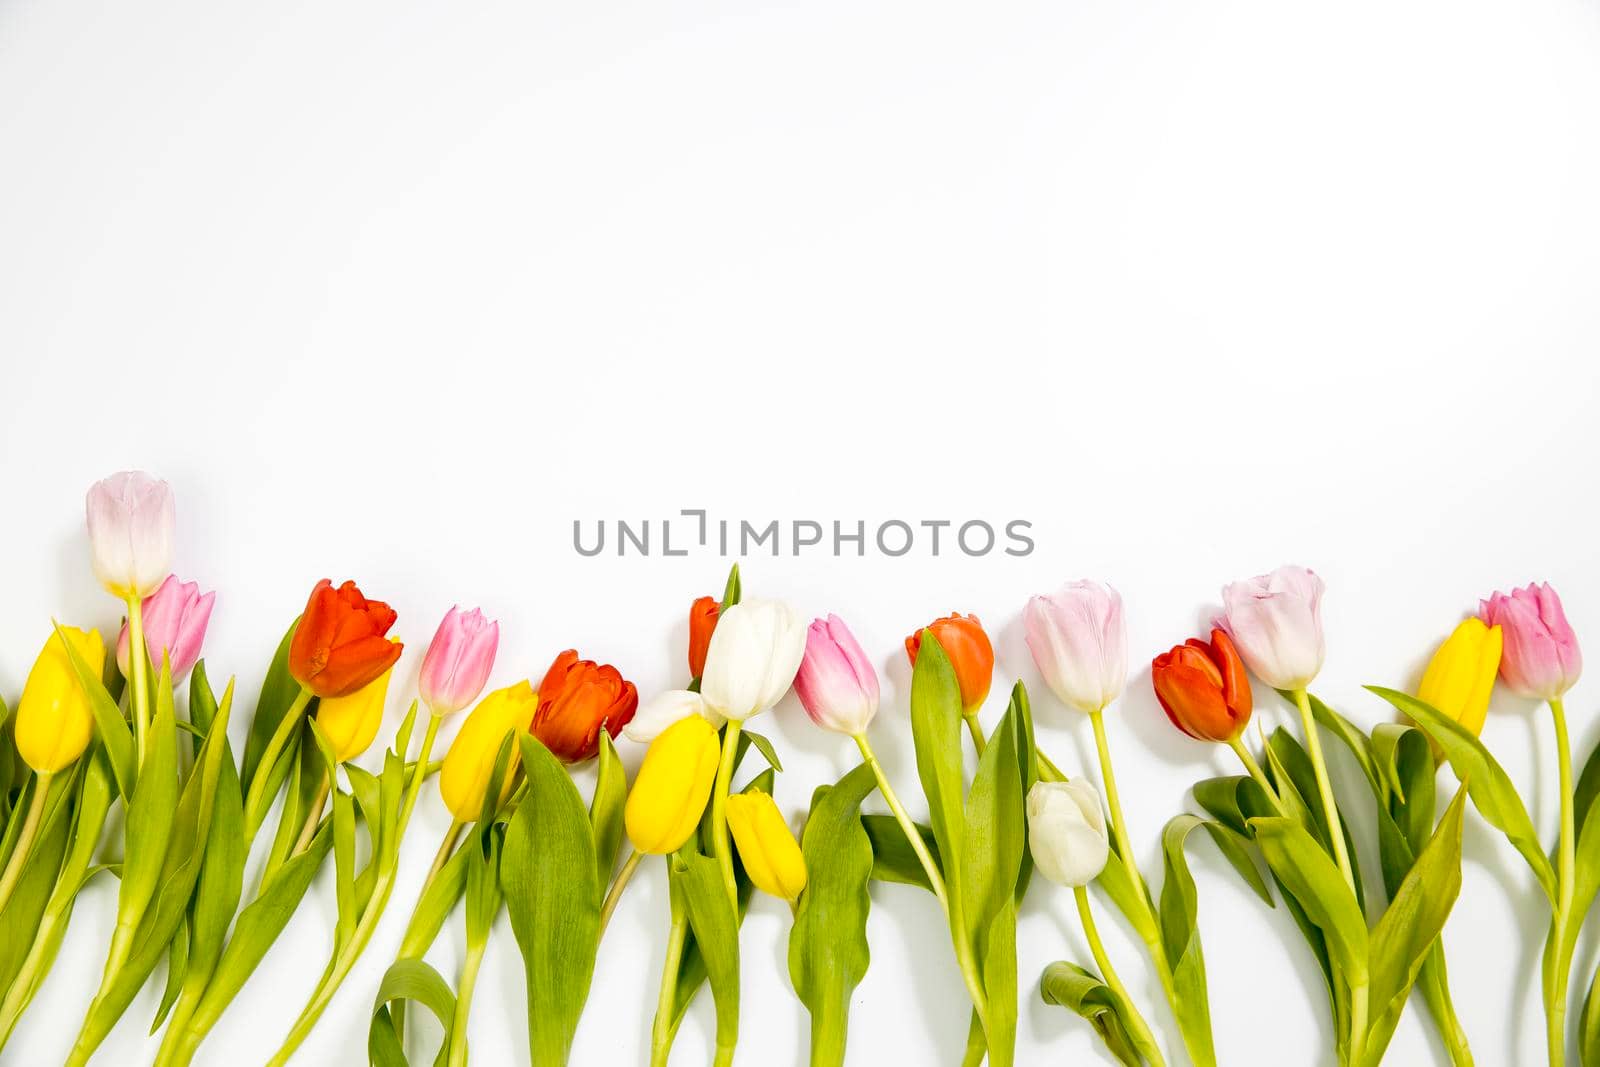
[131, 518]
[836, 682]
[1540, 658]
[1079, 641]
[1275, 621]
[458, 660]
[175, 618]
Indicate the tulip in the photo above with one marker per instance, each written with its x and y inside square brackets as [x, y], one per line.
[1541, 657]
[1067, 832]
[457, 663]
[768, 850]
[175, 618]
[1079, 642]
[339, 645]
[702, 621]
[131, 518]
[1275, 621]
[351, 722]
[836, 683]
[1460, 676]
[54, 722]
[971, 655]
[464, 776]
[664, 709]
[577, 699]
[673, 784]
[752, 658]
[1203, 688]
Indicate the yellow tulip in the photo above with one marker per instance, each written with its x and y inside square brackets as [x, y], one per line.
[672, 787]
[1461, 674]
[769, 852]
[464, 777]
[54, 721]
[351, 722]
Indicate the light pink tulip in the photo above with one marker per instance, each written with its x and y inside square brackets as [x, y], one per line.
[175, 618]
[1079, 642]
[1275, 621]
[836, 682]
[457, 663]
[131, 518]
[1540, 658]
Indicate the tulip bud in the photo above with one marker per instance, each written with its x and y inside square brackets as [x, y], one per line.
[54, 722]
[1275, 621]
[351, 722]
[339, 644]
[131, 518]
[1079, 642]
[1460, 676]
[664, 709]
[672, 787]
[1541, 657]
[702, 622]
[754, 653]
[971, 656]
[577, 699]
[464, 777]
[175, 618]
[836, 682]
[769, 852]
[458, 660]
[1067, 832]
[1203, 688]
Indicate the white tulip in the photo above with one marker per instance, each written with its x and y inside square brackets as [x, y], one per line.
[131, 517]
[754, 654]
[1067, 832]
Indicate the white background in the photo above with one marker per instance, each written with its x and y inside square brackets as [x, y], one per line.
[399, 290]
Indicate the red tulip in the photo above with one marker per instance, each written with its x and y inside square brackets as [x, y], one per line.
[1203, 688]
[702, 621]
[577, 699]
[339, 645]
[971, 654]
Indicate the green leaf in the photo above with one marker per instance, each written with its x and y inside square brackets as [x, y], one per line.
[893, 859]
[828, 954]
[1410, 927]
[19, 922]
[221, 881]
[1360, 746]
[435, 905]
[715, 924]
[763, 746]
[1287, 755]
[1180, 939]
[936, 733]
[177, 971]
[548, 876]
[1080, 991]
[1488, 785]
[109, 725]
[278, 692]
[407, 980]
[606, 808]
[151, 812]
[1303, 866]
[732, 589]
[344, 869]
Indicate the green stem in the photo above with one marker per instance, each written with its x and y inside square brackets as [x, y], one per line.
[1257, 773]
[256, 800]
[308, 829]
[1559, 969]
[1141, 1028]
[139, 672]
[624, 876]
[1358, 1024]
[24, 843]
[975, 729]
[913, 835]
[1330, 809]
[719, 810]
[458, 1022]
[667, 999]
[1118, 827]
[339, 967]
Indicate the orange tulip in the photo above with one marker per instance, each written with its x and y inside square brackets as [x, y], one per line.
[702, 621]
[339, 645]
[963, 640]
[1203, 688]
[577, 699]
